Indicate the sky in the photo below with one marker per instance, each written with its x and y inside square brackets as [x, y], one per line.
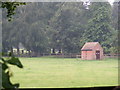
[111, 1]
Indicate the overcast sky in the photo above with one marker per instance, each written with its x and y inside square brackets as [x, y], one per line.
[111, 1]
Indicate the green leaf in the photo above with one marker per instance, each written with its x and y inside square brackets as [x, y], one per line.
[15, 61]
[4, 66]
[6, 83]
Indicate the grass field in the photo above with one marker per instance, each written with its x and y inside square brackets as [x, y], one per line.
[48, 72]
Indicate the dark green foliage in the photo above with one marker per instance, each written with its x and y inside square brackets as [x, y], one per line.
[99, 27]
[11, 7]
[67, 26]
[11, 60]
[6, 72]
[68, 29]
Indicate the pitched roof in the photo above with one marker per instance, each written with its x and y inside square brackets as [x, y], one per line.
[89, 46]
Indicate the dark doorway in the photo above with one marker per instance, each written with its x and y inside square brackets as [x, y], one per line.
[97, 54]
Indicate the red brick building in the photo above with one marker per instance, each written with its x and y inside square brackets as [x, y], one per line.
[92, 51]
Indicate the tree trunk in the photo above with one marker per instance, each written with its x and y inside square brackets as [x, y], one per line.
[11, 49]
[18, 51]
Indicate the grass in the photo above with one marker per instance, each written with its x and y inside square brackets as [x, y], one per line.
[49, 72]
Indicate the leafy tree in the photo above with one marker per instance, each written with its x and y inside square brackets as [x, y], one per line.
[5, 62]
[58, 25]
[115, 15]
[99, 26]
[10, 7]
[68, 27]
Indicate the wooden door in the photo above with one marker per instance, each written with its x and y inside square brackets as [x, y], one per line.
[97, 54]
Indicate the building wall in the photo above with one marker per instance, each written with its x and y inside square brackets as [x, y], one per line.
[87, 55]
[83, 55]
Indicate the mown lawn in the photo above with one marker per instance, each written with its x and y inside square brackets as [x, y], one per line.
[48, 72]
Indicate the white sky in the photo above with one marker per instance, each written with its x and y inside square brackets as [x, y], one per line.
[111, 1]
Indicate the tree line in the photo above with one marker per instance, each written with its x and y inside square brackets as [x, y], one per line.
[40, 26]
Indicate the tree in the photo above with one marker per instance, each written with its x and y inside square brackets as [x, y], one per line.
[99, 26]
[68, 27]
[10, 7]
[115, 19]
[60, 25]
[6, 73]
